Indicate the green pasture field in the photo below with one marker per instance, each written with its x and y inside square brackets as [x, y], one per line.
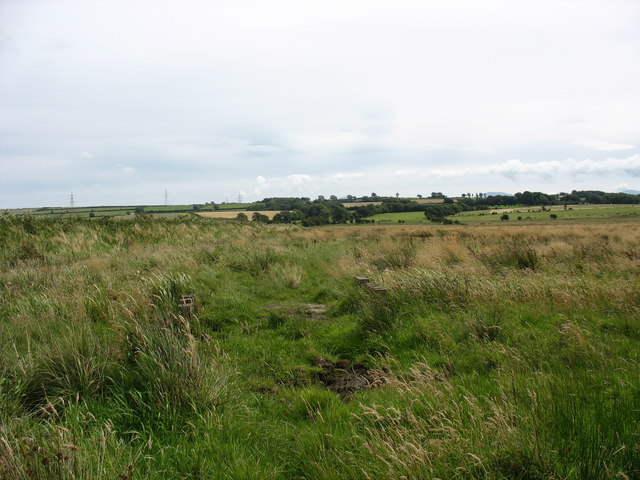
[173, 208]
[107, 211]
[497, 352]
[575, 213]
[232, 206]
[394, 217]
[81, 212]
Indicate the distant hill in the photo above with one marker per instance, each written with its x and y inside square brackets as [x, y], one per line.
[493, 194]
[631, 192]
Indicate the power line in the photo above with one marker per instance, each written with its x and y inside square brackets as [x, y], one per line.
[166, 197]
[71, 201]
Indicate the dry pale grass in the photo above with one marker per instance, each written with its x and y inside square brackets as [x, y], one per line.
[574, 266]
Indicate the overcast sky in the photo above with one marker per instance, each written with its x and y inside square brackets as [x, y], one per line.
[117, 101]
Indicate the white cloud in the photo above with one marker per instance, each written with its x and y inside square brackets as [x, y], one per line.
[346, 176]
[86, 155]
[403, 173]
[298, 179]
[604, 146]
[480, 149]
[516, 168]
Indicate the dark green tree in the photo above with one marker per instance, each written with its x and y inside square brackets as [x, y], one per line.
[259, 217]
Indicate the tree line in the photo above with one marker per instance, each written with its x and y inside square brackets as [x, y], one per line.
[322, 211]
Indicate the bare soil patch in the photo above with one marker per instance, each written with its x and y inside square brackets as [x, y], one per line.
[313, 311]
[346, 378]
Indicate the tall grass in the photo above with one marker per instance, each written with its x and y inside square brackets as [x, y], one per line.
[506, 351]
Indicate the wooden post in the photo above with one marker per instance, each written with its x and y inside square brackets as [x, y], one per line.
[377, 289]
[361, 280]
[187, 305]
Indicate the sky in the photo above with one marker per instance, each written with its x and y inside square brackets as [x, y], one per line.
[119, 102]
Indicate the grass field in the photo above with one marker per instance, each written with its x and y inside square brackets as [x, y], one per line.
[407, 217]
[106, 211]
[580, 213]
[504, 351]
[573, 213]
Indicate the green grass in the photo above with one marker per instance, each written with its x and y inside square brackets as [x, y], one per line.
[233, 206]
[109, 211]
[573, 213]
[497, 352]
[407, 217]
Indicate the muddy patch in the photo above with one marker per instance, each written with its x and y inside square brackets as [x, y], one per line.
[312, 311]
[345, 378]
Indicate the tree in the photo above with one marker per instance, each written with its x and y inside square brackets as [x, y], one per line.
[242, 217]
[419, 196]
[321, 198]
[259, 217]
[553, 216]
[333, 198]
[397, 195]
[339, 214]
[504, 217]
